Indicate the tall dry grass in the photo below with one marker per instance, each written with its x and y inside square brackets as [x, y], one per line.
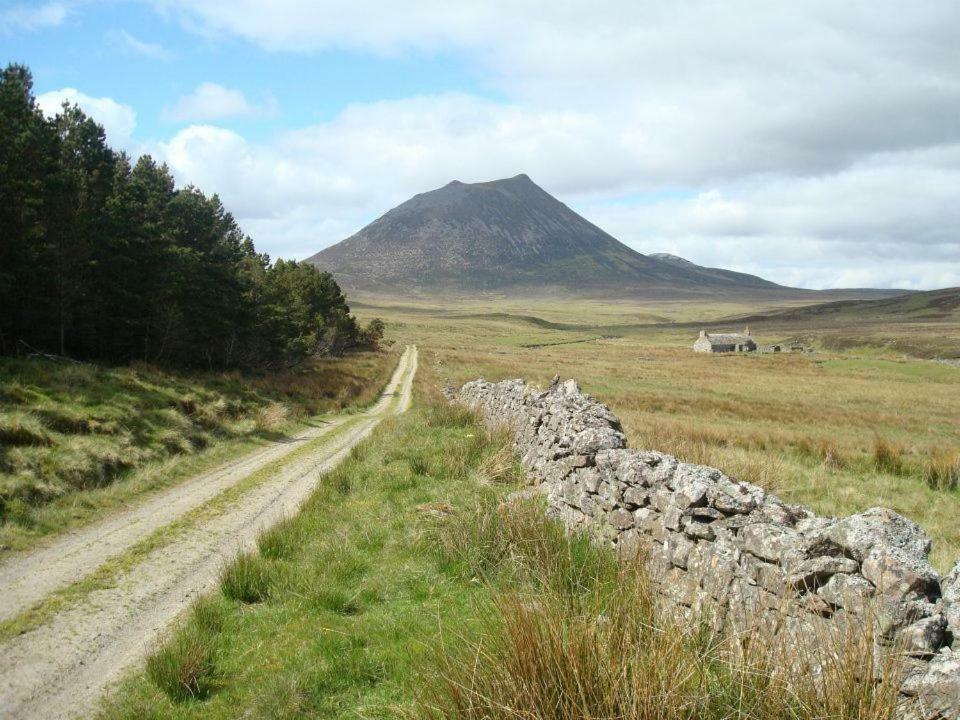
[942, 470]
[887, 456]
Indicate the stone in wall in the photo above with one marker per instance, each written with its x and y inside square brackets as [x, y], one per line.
[713, 541]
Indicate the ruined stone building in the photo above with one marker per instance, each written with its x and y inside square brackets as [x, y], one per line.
[724, 342]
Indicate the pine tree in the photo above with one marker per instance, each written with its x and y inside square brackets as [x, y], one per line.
[102, 260]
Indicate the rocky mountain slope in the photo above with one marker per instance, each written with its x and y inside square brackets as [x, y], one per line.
[512, 234]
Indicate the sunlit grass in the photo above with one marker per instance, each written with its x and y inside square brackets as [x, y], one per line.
[79, 439]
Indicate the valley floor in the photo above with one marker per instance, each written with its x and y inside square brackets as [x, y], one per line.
[82, 609]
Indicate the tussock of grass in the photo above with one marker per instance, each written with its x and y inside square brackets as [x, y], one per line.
[823, 450]
[517, 543]
[19, 428]
[418, 464]
[249, 578]
[942, 470]
[281, 541]
[887, 456]
[273, 416]
[501, 467]
[185, 667]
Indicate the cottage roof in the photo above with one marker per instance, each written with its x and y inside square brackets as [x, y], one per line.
[727, 338]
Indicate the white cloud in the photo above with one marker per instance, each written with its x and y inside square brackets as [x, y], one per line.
[374, 155]
[133, 44]
[117, 119]
[888, 221]
[33, 17]
[210, 101]
[819, 139]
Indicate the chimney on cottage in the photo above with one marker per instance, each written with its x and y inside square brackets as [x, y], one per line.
[746, 331]
[703, 333]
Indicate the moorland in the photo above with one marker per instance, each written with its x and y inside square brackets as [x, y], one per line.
[867, 417]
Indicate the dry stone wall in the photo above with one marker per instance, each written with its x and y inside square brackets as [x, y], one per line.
[716, 542]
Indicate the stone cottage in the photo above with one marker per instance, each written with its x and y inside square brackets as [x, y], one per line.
[724, 342]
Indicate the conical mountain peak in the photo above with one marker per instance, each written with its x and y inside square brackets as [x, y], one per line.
[507, 233]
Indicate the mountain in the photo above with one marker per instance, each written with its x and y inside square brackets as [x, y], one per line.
[511, 234]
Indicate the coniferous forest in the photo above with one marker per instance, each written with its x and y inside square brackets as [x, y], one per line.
[104, 258]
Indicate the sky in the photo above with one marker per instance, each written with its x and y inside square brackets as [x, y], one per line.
[816, 144]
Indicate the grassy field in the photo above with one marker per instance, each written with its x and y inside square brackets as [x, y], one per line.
[78, 439]
[838, 430]
[403, 590]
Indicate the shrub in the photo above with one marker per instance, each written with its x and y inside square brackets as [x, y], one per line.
[249, 579]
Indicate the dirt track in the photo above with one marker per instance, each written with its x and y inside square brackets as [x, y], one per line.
[61, 668]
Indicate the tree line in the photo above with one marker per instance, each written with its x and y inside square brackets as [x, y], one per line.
[106, 259]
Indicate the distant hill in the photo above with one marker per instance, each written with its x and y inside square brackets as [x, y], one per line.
[511, 234]
[926, 306]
